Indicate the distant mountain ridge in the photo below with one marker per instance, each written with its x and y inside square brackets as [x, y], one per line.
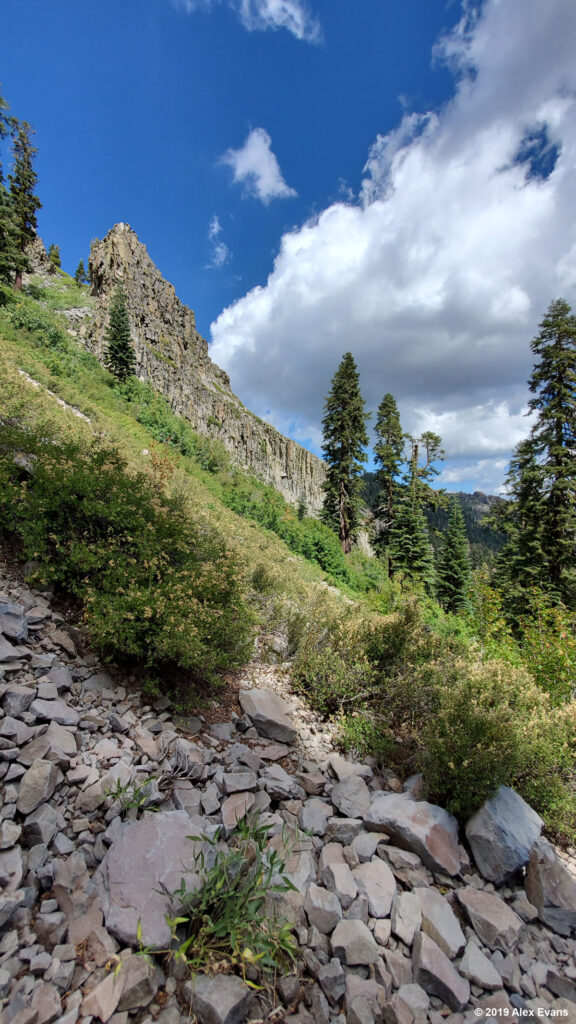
[484, 541]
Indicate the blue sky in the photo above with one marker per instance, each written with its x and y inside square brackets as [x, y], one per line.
[393, 177]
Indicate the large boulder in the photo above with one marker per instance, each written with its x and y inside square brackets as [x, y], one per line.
[420, 827]
[269, 714]
[150, 855]
[551, 888]
[501, 835]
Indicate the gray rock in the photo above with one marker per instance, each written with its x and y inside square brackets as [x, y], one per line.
[269, 714]
[9, 904]
[17, 699]
[332, 978]
[437, 976]
[238, 782]
[8, 652]
[502, 834]
[419, 827]
[323, 908]
[351, 797]
[224, 999]
[406, 917]
[42, 825]
[479, 970]
[280, 785]
[55, 711]
[440, 922]
[13, 622]
[365, 845]
[353, 943]
[140, 982]
[313, 817]
[149, 854]
[342, 830]
[376, 880]
[37, 786]
[344, 769]
[495, 924]
[551, 888]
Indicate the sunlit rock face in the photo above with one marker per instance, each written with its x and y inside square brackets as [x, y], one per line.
[173, 357]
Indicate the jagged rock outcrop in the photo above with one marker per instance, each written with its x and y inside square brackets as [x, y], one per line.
[173, 357]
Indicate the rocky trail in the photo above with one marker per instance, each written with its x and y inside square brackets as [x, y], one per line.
[397, 916]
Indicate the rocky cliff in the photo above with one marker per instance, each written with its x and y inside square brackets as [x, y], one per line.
[173, 357]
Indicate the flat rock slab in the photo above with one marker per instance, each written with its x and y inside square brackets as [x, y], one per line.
[440, 922]
[495, 924]
[353, 943]
[418, 826]
[37, 786]
[501, 835]
[551, 888]
[437, 976]
[149, 854]
[224, 999]
[55, 711]
[269, 714]
[377, 882]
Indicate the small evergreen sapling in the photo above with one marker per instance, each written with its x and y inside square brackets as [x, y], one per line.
[54, 255]
[453, 566]
[80, 276]
[119, 355]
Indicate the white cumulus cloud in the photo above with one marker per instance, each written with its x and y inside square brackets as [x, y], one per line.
[265, 15]
[437, 279]
[257, 167]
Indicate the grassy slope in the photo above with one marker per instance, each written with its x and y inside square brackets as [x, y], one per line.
[86, 385]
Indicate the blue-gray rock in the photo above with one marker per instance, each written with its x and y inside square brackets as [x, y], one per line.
[269, 714]
[420, 827]
[551, 888]
[224, 999]
[501, 835]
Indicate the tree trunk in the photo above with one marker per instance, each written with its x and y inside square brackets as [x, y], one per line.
[18, 281]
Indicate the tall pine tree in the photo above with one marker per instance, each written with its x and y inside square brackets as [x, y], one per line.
[119, 354]
[388, 452]
[453, 568]
[345, 438]
[540, 518]
[8, 240]
[410, 550]
[24, 201]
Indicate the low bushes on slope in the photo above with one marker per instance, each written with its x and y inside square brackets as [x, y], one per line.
[421, 699]
[155, 585]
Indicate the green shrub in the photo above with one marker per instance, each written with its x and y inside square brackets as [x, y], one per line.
[492, 725]
[155, 586]
[227, 919]
[548, 646]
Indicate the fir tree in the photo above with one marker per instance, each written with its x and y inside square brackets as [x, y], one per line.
[119, 354]
[453, 569]
[80, 275]
[410, 548]
[8, 240]
[388, 452]
[54, 255]
[345, 438]
[540, 518]
[24, 202]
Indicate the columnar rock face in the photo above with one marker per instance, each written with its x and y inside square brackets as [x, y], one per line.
[173, 357]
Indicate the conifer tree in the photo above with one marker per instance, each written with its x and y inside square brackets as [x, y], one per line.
[388, 452]
[410, 549]
[80, 275]
[119, 354]
[453, 568]
[24, 202]
[345, 438]
[54, 255]
[8, 241]
[540, 518]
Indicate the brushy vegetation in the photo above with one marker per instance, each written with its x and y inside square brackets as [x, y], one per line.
[155, 585]
[228, 921]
